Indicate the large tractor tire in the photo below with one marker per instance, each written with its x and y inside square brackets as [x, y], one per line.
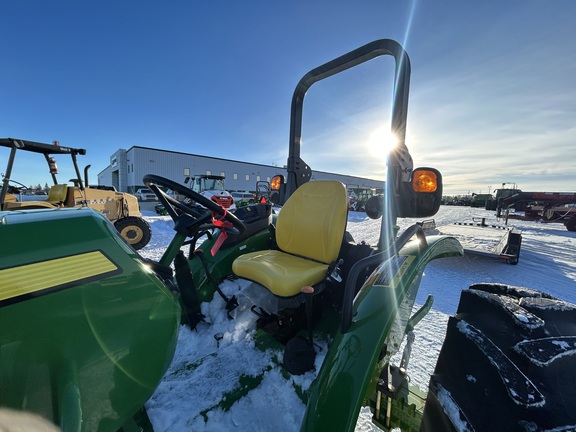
[135, 230]
[507, 364]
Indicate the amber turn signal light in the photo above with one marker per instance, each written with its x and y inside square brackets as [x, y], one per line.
[424, 180]
[276, 182]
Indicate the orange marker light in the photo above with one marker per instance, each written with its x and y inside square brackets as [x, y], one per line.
[424, 181]
[276, 182]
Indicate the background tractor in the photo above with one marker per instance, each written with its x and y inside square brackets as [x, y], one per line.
[207, 185]
[119, 207]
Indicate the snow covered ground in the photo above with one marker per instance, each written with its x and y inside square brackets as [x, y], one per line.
[204, 369]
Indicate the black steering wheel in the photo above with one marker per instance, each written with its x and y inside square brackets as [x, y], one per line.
[14, 189]
[171, 204]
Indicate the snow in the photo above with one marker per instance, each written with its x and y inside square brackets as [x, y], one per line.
[219, 355]
[543, 352]
[452, 410]
[521, 315]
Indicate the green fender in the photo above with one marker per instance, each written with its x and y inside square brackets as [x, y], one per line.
[87, 329]
[384, 302]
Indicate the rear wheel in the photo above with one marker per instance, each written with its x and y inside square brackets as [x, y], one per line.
[136, 231]
[507, 363]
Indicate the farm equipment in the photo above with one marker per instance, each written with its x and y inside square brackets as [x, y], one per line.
[358, 196]
[495, 201]
[243, 198]
[483, 239]
[565, 214]
[479, 200]
[209, 186]
[542, 206]
[120, 208]
[212, 187]
[88, 327]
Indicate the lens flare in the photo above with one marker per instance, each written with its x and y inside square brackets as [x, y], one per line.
[381, 141]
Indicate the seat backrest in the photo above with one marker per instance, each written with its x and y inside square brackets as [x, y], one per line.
[312, 222]
[57, 193]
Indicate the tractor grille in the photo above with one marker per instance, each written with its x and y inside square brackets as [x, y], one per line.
[223, 201]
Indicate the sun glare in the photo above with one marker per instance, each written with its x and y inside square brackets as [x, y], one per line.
[381, 141]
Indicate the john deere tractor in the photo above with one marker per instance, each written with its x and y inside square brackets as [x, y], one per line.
[88, 327]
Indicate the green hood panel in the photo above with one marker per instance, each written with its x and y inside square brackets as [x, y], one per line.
[85, 323]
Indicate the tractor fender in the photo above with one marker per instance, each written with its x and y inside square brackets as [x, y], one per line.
[381, 314]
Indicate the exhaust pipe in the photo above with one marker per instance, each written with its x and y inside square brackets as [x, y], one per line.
[86, 184]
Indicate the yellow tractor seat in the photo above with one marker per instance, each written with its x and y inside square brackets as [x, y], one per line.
[309, 232]
[57, 194]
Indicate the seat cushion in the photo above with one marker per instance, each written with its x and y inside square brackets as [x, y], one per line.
[283, 274]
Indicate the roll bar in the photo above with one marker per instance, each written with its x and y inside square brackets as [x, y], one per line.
[46, 149]
[298, 171]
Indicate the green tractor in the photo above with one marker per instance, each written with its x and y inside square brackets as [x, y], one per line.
[89, 327]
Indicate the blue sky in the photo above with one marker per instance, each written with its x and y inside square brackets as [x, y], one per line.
[492, 98]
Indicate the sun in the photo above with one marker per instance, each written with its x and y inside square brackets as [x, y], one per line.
[381, 141]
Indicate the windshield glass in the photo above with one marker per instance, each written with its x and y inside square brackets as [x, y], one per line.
[202, 184]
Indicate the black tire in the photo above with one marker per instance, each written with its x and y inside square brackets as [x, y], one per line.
[135, 230]
[490, 205]
[570, 224]
[507, 364]
[274, 197]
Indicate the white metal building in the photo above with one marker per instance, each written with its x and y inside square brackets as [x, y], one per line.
[127, 167]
